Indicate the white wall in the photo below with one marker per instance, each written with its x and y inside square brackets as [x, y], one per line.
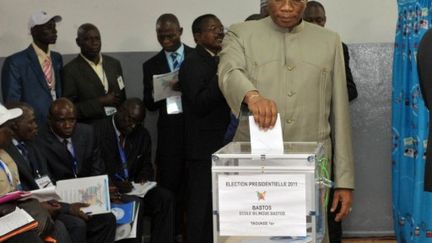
[128, 25]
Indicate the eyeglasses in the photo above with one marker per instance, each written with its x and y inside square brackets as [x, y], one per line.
[295, 3]
[216, 29]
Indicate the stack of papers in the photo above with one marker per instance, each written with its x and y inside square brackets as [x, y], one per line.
[15, 223]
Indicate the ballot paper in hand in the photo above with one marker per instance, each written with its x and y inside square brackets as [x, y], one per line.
[162, 85]
[266, 142]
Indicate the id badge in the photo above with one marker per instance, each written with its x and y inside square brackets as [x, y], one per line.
[120, 82]
[174, 105]
[44, 182]
[110, 110]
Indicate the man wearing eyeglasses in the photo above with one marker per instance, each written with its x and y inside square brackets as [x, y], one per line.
[281, 64]
[206, 119]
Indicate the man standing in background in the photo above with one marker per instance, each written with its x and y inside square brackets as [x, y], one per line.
[94, 82]
[206, 118]
[170, 161]
[33, 75]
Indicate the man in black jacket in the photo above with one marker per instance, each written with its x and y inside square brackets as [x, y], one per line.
[72, 151]
[93, 81]
[126, 151]
[206, 118]
[170, 162]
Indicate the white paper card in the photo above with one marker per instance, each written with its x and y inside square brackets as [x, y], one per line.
[162, 85]
[120, 82]
[14, 220]
[262, 205]
[110, 110]
[174, 105]
[44, 182]
[266, 142]
[140, 190]
[45, 194]
[92, 190]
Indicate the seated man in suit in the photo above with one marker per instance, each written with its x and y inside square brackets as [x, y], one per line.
[94, 82]
[71, 151]
[10, 181]
[33, 172]
[206, 119]
[126, 150]
[33, 75]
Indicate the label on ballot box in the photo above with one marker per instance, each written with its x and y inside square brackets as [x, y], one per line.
[262, 205]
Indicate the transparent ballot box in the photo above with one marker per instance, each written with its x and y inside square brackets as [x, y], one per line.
[271, 198]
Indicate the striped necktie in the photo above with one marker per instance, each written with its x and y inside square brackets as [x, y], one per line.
[176, 63]
[48, 71]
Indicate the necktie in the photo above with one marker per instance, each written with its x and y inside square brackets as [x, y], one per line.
[70, 151]
[176, 63]
[24, 151]
[47, 70]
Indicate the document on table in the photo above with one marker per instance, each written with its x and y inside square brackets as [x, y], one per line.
[92, 190]
[266, 142]
[162, 85]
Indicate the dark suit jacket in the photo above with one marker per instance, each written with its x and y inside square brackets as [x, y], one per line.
[424, 64]
[59, 160]
[24, 80]
[137, 150]
[27, 169]
[170, 127]
[206, 112]
[83, 86]
[352, 89]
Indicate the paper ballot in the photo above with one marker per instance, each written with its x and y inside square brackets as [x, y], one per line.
[162, 85]
[266, 142]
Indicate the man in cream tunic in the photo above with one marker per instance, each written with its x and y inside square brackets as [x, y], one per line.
[281, 64]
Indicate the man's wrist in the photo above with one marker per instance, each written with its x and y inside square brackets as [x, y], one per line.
[250, 96]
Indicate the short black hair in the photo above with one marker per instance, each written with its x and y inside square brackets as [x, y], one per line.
[254, 17]
[311, 4]
[168, 18]
[84, 28]
[198, 22]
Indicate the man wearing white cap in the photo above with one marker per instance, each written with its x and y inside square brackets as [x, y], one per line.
[33, 75]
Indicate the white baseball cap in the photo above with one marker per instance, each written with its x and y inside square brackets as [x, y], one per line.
[41, 17]
[9, 114]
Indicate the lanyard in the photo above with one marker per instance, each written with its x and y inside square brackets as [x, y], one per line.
[8, 173]
[123, 161]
